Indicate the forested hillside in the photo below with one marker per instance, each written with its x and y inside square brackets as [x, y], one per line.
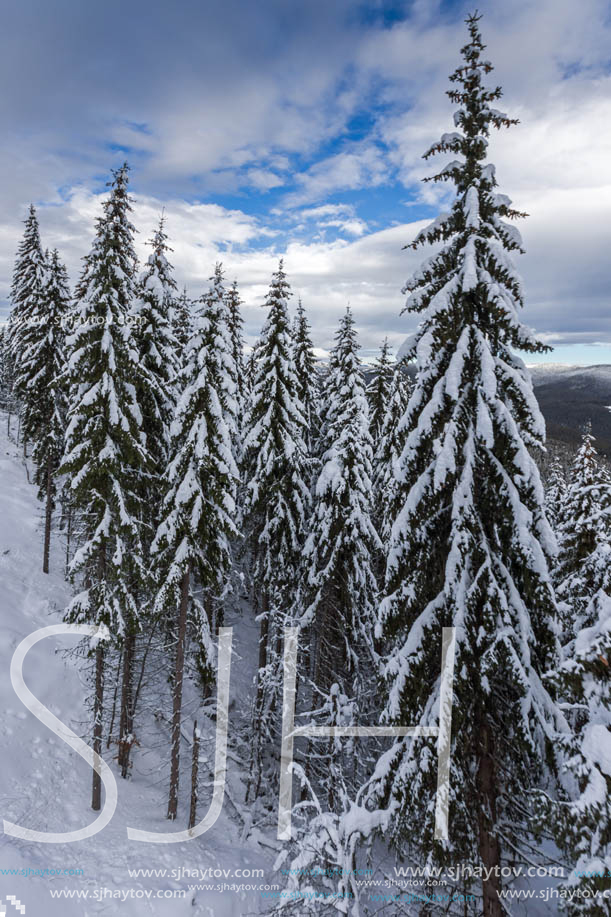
[258, 543]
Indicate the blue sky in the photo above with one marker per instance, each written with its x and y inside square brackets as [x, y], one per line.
[297, 129]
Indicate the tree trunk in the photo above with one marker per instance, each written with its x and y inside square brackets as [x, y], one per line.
[179, 668]
[126, 719]
[96, 789]
[48, 516]
[111, 725]
[263, 641]
[194, 771]
[210, 606]
[153, 629]
[68, 538]
[489, 849]
[254, 781]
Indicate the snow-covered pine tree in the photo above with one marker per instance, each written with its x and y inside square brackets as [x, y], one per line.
[236, 334]
[471, 543]
[555, 493]
[340, 588]
[29, 276]
[308, 388]
[6, 387]
[157, 347]
[225, 374]
[183, 319]
[277, 498]
[581, 818]
[391, 440]
[378, 391]
[41, 377]
[105, 455]
[192, 546]
[583, 525]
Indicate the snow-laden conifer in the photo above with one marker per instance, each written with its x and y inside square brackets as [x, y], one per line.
[105, 455]
[6, 386]
[182, 323]
[340, 590]
[27, 294]
[378, 391]
[583, 525]
[251, 371]
[555, 493]
[307, 374]
[386, 488]
[42, 376]
[470, 546]
[277, 496]
[581, 817]
[157, 350]
[151, 320]
[236, 334]
[192, 545]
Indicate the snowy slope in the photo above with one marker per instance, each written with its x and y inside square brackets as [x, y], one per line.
[46, 786]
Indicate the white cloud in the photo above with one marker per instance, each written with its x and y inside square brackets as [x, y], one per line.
[363, 165]
[263, 179]
[328, 216]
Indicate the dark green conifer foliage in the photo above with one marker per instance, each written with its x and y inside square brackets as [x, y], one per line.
[308, 383]
[105, 454]
[378, 391]
[470, 545]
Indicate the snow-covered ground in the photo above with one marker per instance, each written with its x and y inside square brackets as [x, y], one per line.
[44, 785]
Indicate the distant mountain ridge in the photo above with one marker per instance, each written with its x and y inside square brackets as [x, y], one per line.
[570, 396]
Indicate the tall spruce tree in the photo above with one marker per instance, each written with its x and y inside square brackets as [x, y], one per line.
[378, 391]
[308, 388]
[341, 589]
[582, 526]
[581, 817]
[470, 545]
[251, 371]
[236, 334]
[585, 822]
[157, 347]
[386, 489]
[555, 493]
[182, 322]
[277, 497]
[42, 379]
[6, 387]
[225, 369]
[105, 455]
[192, 547]
[27, 295]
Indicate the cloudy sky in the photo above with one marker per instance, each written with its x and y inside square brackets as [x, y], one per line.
[296, 128]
